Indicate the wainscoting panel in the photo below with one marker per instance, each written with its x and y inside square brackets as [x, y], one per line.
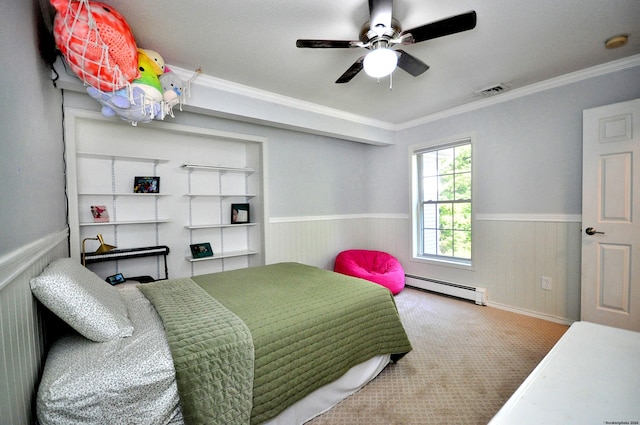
[512, 254]
[315, 242]
[23, 342]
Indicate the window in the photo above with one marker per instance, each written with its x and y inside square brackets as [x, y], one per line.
[442, 199]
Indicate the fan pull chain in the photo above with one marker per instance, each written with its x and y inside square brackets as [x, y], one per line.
[390, 81]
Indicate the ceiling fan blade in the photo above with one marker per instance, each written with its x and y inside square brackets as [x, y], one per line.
[327, 44]
[411, 64]
[380, 14]
[352, 71]
[447, 26]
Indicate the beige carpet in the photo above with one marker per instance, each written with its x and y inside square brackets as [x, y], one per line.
[466, 362]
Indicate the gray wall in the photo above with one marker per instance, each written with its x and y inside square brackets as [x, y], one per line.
[307, 175]
[32, 201]
[528, 155]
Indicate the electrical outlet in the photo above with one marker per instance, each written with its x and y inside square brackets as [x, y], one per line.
[546, 283]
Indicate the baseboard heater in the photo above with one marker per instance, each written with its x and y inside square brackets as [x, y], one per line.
[477, 295]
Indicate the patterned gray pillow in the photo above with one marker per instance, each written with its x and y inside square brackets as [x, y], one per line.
[79, 297]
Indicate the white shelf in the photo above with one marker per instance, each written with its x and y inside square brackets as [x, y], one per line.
[220, 256]
[123, 194]
[219, 168]
[118, 223]
[216, 226]
[244, 238]
[98, 155]
[222, 195]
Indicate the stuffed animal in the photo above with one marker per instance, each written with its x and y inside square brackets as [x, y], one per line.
[148, 80]
[138, 109]
[97, 43]
[156, 60]
[172, 87]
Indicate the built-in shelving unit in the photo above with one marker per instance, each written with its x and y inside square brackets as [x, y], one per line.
[202, 172]
[230, 184]
[106, 178]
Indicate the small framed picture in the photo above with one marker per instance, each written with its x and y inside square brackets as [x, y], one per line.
[146, 185]
[239, 213]
[201, 250]
[100, 213]
[116, 279]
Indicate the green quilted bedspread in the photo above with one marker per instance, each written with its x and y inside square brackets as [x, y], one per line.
[308, 325]
[212, 351]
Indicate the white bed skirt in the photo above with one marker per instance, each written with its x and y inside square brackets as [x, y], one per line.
[326, 397]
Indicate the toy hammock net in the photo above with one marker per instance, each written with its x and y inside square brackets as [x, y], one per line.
[99, 48]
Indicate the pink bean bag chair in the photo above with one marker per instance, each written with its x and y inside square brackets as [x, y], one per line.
[375, 266]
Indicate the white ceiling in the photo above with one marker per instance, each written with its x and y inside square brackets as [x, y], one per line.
[253, 43]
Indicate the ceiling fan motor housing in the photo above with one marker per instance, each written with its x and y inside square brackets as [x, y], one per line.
[368, 34]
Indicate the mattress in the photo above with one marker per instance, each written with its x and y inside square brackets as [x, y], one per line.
[115, 382]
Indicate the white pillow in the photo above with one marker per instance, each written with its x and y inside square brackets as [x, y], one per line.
[83, 300]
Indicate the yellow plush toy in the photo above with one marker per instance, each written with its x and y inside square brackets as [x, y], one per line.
[148, 80]
[155, 58]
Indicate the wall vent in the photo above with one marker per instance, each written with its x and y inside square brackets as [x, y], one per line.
[493, 90]
[477, 295]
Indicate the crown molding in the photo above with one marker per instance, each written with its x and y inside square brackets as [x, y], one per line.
[231, 100]
[595, 71]
[251, 92]
[224, 99]
[266, 96]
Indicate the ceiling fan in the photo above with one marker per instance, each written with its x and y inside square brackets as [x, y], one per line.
[382, 32]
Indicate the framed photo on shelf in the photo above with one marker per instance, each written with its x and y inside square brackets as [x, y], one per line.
[201, 250]
[239, 213]
[146, 184]
[116, 279]
[100, 213]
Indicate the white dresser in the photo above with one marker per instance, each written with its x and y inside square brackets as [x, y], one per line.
[591, 376]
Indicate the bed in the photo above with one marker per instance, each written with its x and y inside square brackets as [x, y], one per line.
[276, 344]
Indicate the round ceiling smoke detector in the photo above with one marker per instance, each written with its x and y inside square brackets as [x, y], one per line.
[616, 41]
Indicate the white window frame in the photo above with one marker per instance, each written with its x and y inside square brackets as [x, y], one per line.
[416, 220]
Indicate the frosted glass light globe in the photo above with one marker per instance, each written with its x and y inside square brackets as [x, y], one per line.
[380, 62]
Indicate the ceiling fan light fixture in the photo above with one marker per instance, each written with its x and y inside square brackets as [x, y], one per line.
[380, 62]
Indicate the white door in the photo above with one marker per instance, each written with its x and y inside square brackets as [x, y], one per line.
[611, 215]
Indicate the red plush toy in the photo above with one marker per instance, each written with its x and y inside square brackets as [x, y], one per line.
[97, 43]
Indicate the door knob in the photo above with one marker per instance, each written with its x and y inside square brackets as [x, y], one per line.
[591, 231]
